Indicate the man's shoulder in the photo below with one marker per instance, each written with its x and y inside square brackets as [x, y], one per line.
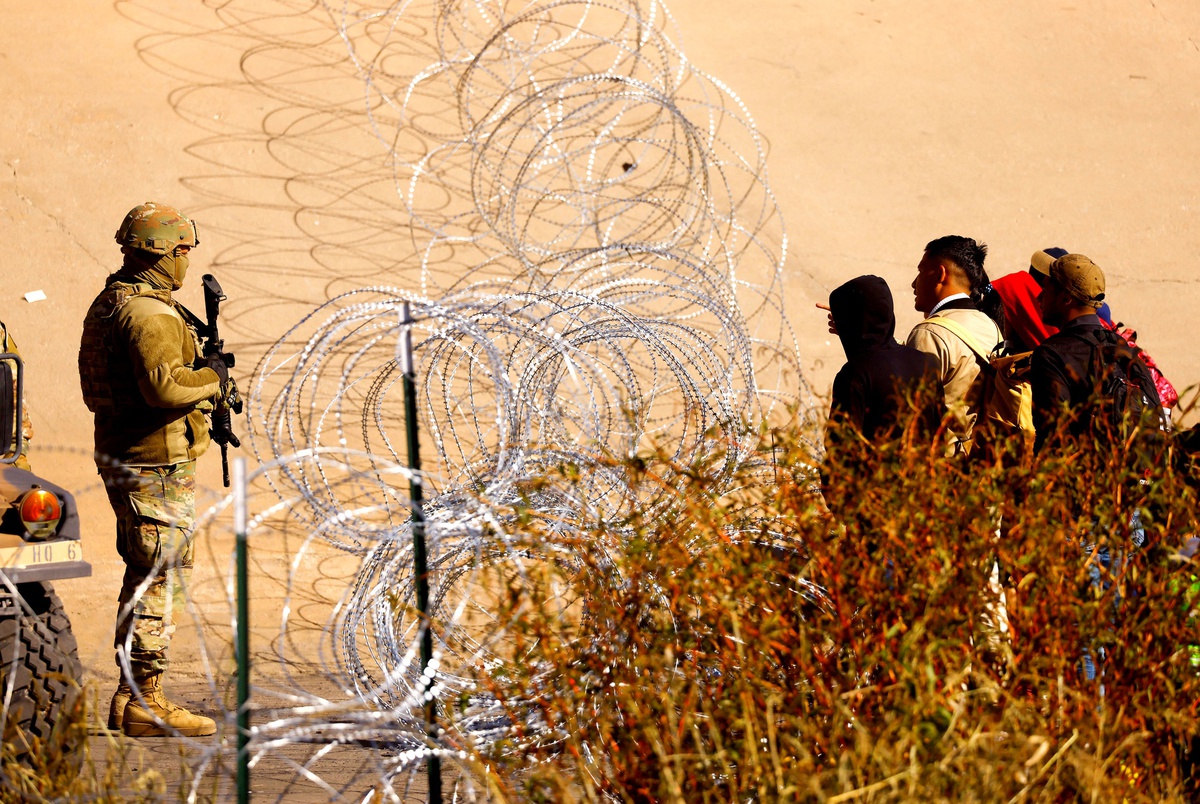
[903, 352]
[1055, 341]
[928, 337]
[1054, 344]
[976, 323]
[1067, 351]
[850, 371]
[973, 319]
[117, 293]
[1072, 338]
[911, 362]
[147, 315]
[146, 304]
[929, 326]
[899, 359]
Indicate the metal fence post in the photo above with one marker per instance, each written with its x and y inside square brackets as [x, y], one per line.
[243, 632]
[420, 558]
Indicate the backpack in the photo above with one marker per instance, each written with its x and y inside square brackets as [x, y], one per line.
[1007, 403]
[1166, 391]
[1121, 400]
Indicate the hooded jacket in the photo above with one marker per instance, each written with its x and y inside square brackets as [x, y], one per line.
[881, 378]
[136, 366]
[1019, 294]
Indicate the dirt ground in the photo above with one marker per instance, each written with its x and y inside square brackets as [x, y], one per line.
[1022, 123]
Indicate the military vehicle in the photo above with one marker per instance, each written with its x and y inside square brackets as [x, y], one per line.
[39, 543]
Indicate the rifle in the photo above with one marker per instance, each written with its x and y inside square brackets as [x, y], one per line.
[214, 346]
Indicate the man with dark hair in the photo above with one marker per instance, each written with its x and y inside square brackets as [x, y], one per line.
[1068, 367]
[948, 288]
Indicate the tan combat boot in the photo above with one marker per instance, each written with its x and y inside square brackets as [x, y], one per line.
[116, 707]
[158, 717]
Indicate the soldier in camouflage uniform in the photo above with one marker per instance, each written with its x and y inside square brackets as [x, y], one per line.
[9, 346]
[140, 377]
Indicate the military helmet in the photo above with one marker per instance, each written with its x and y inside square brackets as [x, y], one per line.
[157, 228]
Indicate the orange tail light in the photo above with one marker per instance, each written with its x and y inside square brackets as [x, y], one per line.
[40, 512]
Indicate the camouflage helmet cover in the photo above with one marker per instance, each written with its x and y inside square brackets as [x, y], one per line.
[156, 228]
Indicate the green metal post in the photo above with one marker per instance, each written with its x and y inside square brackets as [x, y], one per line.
[420, 559]
[243, 632]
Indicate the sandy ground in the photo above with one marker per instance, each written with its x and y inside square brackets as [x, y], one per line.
[890, 122]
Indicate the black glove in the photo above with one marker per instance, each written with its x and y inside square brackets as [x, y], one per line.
[218, 365]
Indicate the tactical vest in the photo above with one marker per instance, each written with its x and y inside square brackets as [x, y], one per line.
[105, 375]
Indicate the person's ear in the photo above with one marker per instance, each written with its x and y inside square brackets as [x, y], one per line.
[943, 274]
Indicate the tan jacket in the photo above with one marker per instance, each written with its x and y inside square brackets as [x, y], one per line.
[958, 367]
[137, 367]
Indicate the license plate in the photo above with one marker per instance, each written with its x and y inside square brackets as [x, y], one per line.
[39, 553]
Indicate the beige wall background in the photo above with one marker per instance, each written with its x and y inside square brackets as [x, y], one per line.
[890, 122]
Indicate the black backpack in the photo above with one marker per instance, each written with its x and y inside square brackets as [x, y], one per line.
[1124, 399]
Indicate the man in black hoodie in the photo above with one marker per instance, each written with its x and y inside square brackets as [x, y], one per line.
[877, 391]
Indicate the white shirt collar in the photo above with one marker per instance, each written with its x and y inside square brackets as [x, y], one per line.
[947, 300]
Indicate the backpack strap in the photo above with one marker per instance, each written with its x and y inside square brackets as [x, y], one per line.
[1123, 353]
[1126, 355]
[964, 335]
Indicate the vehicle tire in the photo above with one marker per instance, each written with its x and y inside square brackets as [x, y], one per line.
[39, 656]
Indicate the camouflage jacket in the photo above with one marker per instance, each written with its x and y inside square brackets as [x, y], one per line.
[9, 346]
[136, 369]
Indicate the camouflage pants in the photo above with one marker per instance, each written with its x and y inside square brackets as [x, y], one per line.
[156, 512]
